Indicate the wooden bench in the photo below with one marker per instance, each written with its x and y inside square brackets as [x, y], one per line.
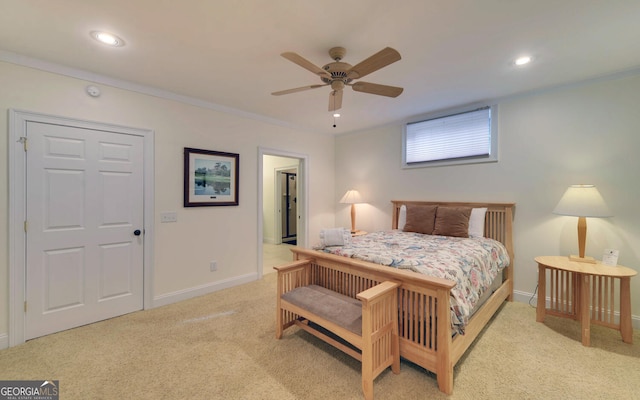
[368, 322]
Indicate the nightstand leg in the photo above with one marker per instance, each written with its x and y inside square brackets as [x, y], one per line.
[542, 293]
[626, 329]
[584, 310]
[576, 281]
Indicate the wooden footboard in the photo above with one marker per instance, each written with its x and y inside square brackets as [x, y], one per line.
[424, 318]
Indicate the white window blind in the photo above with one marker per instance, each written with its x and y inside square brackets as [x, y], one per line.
[459, 136]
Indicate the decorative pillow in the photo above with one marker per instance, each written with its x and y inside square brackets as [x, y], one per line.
[420, 218]
[335, 237]
[452, 221]
[402, 217]
[476, 222]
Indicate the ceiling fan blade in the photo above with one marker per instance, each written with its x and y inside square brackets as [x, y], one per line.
[379, 60]
[306, 64]
[335, 100]
[300, 89]
[374, 88]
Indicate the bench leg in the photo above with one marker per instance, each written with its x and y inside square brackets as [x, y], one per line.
[367, 365]
[367, 369]
[279, 322]
[367, 387]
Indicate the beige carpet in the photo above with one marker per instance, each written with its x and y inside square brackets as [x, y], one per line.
[222, 346]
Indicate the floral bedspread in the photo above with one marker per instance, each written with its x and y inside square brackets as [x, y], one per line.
[472, 263]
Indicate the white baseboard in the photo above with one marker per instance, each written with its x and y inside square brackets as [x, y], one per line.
[189, 293]
[524, 297]
[4, 341]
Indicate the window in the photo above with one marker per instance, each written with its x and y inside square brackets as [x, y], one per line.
[461, 138]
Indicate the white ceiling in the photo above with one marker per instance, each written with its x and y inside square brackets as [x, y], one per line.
[226, 53]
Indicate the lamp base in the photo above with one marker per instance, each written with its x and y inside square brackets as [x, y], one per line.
[589, 260]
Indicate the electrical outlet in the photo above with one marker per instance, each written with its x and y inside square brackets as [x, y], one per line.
[213, 266]
[168, 217]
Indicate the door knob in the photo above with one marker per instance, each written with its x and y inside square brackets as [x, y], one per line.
[137, 232]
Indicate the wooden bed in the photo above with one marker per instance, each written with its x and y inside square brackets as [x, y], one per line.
[426, 336]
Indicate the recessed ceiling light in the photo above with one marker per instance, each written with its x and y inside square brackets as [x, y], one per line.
[522, 60]
[107, 38]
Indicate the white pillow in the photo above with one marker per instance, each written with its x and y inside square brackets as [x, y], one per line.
[402, 217]
[335, 237]
[476, 222]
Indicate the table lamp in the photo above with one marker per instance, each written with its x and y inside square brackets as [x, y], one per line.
[352, 197]
[582, 201]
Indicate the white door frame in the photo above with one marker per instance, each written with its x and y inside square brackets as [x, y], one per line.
[277, 200]
[303, 195]
[17, 209]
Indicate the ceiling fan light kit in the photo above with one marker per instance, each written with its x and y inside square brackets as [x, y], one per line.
[339, 74]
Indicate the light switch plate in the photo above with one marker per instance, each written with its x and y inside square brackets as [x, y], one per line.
[168, 217]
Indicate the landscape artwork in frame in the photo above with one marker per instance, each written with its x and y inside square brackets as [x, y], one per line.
[210, 178]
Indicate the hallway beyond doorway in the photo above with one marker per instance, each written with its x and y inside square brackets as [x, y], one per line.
[275, 254]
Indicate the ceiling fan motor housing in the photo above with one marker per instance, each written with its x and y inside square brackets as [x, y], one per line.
[338, 71]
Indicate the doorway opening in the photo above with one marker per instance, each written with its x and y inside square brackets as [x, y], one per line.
[282, 206]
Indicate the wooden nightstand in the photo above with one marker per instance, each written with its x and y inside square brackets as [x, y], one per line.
[359, 233]
[572, 284]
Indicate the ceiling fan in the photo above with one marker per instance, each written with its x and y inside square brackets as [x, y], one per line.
[339, 74]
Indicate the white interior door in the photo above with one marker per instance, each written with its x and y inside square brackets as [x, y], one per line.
[84, 206]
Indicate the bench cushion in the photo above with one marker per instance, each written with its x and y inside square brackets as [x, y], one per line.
[332, 306]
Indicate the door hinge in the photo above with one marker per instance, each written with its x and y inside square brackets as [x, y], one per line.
[25, 306]
[25, 226]
[23, 140]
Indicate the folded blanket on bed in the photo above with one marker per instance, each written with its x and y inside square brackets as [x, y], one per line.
[334, 237]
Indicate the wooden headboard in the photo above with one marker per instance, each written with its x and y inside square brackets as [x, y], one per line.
[498, 222]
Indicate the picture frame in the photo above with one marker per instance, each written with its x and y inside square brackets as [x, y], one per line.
[211, 178]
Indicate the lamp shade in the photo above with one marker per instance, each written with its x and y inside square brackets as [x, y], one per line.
[351, 197]
[582, 201]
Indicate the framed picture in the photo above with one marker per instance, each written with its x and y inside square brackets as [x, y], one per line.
[211, 178]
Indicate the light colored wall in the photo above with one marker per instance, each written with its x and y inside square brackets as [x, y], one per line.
[271, 163]
[184, 249]
[582, 134]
